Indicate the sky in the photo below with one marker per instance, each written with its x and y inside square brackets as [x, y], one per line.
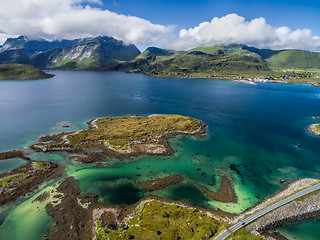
[172, 24]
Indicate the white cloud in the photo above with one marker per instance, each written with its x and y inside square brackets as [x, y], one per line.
[57, 19]
[4, 36]
[257, 32]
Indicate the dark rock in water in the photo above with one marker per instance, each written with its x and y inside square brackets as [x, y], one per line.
[65, 126]
[161, 183]
[198, 169]
[234, 168]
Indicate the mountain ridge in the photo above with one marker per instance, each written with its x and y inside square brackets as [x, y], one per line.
[100, 53]
[107, 54]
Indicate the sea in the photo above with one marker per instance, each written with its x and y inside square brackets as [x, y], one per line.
[256, 136]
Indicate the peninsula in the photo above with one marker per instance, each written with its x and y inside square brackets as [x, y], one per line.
[25, 179]
[21, 71]
[124, 135]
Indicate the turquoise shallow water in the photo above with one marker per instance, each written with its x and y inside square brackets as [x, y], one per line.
[10, 164]
[256, 135]
[307, 230]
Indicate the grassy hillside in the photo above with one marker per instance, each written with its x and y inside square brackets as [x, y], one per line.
[197, 62]
[264, 53]
[21, 71]
[232, 49]
[154, 54]
[294, 59]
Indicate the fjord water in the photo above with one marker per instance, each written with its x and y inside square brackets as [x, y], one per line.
[256, 135]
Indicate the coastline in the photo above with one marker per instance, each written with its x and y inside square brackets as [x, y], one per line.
[25, 179]
[249, 80]
[83, 210]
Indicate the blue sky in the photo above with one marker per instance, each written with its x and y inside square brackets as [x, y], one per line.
[172, 24]
[189, 13]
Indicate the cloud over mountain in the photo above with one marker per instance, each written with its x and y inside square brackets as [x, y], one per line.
[257, 32]
[68, 19]
[57, 19]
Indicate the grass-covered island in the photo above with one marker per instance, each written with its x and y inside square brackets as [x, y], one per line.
[315, 129]
[125, 135]
[21, 71]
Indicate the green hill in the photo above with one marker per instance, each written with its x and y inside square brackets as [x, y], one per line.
[200, 62]
[155, 54]
[21, 71]
[232, 49]
[294, 59]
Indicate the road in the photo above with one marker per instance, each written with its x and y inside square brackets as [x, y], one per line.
[260, 213]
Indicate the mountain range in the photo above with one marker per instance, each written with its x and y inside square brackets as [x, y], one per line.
[107, 53]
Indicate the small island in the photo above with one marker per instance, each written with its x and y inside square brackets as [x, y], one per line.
[315, 129]
[129, 135]
[21, 71]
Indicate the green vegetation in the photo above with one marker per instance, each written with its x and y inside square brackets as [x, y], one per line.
[232, 49]
[242, 234]
[40, 165]
[8, 180]
[154, 54]
[294, 59]
[21, 71]
[120, 132]
[199, 62]
[234, 61]
[156, 220]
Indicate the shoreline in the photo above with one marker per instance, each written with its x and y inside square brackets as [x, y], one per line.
[89, 204]
[229, 78]
[75, 204]
[25, 179]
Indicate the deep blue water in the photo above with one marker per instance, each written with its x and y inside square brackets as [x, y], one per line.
[261, 129]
